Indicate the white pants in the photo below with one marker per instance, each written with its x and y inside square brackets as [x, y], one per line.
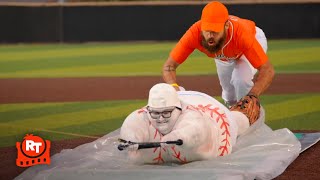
[236, 75]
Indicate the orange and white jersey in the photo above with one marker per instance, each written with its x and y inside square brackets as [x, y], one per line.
[240, 41]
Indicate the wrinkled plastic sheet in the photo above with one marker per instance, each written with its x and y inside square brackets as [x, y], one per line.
[307, 140]
[259, 154]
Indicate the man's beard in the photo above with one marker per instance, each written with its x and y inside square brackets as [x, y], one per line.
[213, 48]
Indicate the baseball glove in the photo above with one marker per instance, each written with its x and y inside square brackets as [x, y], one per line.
[249, 105]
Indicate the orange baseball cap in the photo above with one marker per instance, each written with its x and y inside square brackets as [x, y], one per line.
[214, 15]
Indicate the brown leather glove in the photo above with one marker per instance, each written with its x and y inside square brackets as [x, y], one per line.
[249, 105]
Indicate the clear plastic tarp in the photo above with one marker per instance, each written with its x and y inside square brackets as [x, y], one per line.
[260, 153]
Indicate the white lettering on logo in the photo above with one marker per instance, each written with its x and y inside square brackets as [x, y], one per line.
[30, 145]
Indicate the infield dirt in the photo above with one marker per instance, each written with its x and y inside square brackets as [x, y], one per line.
[306, 166]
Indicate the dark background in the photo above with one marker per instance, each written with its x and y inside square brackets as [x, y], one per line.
[145, 22]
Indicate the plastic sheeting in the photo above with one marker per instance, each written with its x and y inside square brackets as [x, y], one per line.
[258, 154]
[307, 140]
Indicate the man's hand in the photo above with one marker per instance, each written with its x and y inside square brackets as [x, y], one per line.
[169, 72]
[249, 105]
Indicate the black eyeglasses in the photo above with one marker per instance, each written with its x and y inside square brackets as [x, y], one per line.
[165, 113]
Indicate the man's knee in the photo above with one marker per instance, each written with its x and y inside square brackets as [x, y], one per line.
[242, 82]
[242, 87]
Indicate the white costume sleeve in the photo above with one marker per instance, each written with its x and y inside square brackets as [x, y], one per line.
[241, 120]
[135, 128]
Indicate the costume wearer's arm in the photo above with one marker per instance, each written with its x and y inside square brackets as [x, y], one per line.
[263, 79]
[241, 120]
[169, 71]
[134, 128]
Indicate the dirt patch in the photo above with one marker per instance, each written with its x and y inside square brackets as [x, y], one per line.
[306, 166]
[8, 155]
[122, 88]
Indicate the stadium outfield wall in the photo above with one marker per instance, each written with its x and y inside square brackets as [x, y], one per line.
[144, 22]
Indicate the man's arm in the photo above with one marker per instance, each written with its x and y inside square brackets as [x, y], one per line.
[186, 45]
[169, 71]
[263, 79]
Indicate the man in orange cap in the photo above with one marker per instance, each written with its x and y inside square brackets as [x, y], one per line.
[238, 47]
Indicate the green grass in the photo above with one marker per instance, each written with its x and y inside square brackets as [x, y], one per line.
[62, 120]
[295, 56]
[137, 59]
[296, 112]
[56, 121]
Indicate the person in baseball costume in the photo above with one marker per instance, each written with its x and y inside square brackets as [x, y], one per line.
[237, 46]
[207, 128]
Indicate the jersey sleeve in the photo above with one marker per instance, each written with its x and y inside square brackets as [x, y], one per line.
[255, 54]
[186, 44]
[250, 46]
